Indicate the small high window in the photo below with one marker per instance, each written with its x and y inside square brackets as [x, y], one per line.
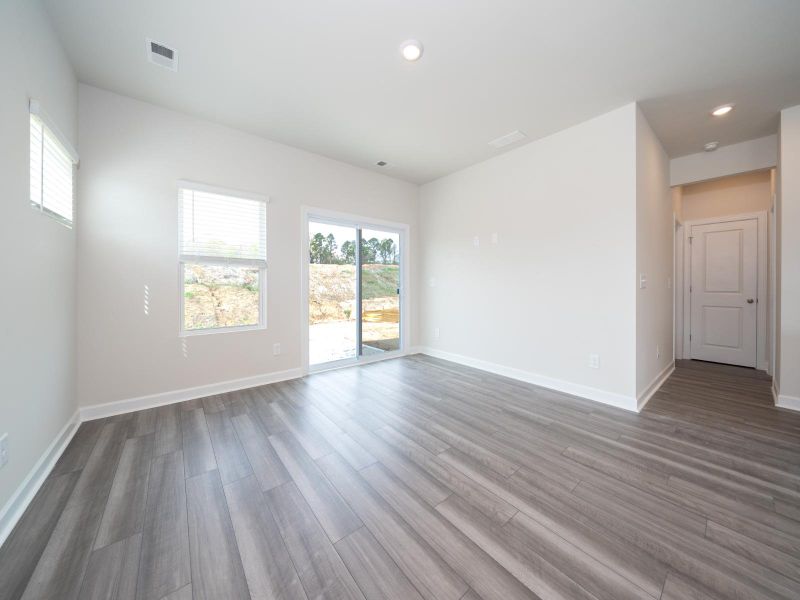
[52, 164]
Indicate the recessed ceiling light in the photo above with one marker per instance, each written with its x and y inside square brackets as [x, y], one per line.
[381, 163]
[711, 146]
[722, 110]
[411, 50]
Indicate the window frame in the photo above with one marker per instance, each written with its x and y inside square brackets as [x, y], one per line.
[183, 260]
[49, 129]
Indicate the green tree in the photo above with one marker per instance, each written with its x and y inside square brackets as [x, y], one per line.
[369, 250]
[386, 251]
[348, 251]
[316, 248]
[329, 250]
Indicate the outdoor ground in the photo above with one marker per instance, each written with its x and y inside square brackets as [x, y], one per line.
[228, 297]
[332, 318]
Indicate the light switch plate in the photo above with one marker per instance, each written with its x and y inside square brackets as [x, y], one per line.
[276, 349]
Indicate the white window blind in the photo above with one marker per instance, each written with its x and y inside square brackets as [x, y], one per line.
[218, 227]
[51, 171]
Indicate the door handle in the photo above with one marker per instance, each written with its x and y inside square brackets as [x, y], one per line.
[750, 301]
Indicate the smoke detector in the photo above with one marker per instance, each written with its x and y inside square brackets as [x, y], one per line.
[162, 55]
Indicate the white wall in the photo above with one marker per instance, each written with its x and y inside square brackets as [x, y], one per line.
[132, 154]
[559, 283]
[655, 232]
[753, 155]
[788, 369]
[38, 267]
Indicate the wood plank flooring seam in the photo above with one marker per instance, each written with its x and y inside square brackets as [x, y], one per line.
[697, 496]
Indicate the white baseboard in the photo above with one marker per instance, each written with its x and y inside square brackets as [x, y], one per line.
[657, 382]
[109, 409]
[13, 510]
[790, 402]
[567, 387]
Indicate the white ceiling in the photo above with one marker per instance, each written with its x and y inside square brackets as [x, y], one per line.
[327, 76]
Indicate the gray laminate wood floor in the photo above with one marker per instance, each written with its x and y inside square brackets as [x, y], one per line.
[417, 478]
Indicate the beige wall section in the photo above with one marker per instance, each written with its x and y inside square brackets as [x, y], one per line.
[655, 233]
[559, 282]
[38, 267]
[133, 154]
[747, 193]
[789, 251]
[677, 202]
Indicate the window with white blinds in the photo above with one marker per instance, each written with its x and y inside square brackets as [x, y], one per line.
[51, 172]
[222, 239]
[221, 226]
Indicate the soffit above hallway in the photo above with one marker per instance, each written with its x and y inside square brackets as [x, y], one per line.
[328, 76]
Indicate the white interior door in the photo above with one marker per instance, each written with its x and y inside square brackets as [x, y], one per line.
[724, 286]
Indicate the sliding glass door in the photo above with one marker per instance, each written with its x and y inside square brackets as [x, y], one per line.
[332, 293]
[354, 291]
[380, 291]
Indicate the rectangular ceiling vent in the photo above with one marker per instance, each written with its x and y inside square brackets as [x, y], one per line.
[161, 55]
[509, 138]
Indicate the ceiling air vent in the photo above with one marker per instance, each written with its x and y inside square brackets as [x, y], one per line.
[509, 138]
[161, 55]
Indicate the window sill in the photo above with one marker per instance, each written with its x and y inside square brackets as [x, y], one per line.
[213, 330]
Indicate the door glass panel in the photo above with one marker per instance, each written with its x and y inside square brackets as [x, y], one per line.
[332, 306]
[380, 291]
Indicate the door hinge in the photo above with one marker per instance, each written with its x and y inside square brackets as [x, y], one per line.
[690, 337]
[690, 289]
[690, 239]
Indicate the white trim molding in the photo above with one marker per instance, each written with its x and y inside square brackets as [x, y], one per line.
[790, 402]
[783, 400]
[654, 386]
[683, 308]
[109, 409]
[574, 389]
[13, 510]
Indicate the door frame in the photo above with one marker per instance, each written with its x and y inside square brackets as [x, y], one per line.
[683, 320]
[310, 213]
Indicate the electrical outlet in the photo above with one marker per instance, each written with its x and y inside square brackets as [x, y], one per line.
[436, 332]
[3, 450]
[432, 281]
[476, 241]
[276, 349]
[494, 238]
[658, 351]
[594, 361]
[669, 283]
